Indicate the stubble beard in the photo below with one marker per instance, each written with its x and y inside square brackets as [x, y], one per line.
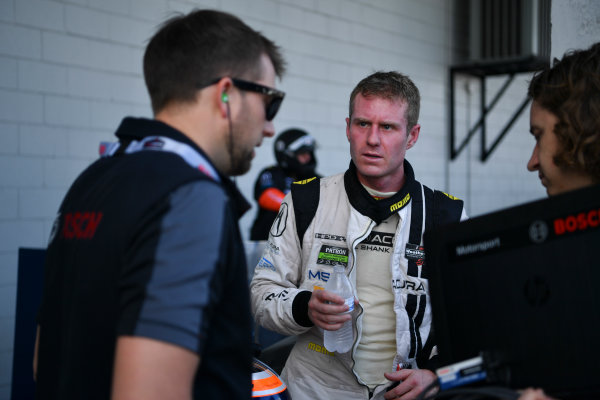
[241, 161]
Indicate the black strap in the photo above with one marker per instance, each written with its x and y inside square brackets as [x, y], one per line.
[441, 209]
[305, 195]
[122, 147]
[415, 304]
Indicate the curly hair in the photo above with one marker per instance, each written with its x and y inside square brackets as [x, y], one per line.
[390, 85]
[570, 90]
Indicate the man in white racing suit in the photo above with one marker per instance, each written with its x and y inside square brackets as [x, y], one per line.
[371, 220]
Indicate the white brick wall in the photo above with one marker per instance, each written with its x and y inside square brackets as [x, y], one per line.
[71, 69]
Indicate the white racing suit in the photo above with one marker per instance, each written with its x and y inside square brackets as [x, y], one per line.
[289, 271]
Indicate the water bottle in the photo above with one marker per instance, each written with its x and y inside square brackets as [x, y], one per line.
[340, 340]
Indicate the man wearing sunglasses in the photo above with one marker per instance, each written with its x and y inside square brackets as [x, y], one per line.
[145, 292]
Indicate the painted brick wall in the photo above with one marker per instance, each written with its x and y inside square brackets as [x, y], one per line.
[71, 69]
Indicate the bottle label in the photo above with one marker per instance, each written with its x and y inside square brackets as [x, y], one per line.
[350, 303]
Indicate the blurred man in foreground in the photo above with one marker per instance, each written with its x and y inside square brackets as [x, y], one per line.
[145, 291]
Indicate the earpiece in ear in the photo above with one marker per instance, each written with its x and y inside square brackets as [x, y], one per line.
[224, 97]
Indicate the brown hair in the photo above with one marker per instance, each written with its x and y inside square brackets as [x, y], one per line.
[570, 90]
[191, 50]
[390, 85]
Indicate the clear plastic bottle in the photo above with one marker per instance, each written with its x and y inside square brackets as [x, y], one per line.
[340, 340]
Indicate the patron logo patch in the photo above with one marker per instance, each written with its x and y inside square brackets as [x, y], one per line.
[333, 255]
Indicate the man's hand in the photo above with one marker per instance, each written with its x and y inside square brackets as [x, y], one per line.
[414, 381]
[325, 315]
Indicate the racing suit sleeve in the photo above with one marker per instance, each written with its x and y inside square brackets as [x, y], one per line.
[278, 293]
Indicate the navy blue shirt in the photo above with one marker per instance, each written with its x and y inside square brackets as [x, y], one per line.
[146, 244]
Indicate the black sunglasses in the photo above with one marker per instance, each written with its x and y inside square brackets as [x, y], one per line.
[275, 96]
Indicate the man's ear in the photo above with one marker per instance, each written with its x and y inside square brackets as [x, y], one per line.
[413, 136]
[222, 96]
[348, 128]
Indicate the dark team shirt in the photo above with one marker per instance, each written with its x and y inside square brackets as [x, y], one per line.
[145, 245]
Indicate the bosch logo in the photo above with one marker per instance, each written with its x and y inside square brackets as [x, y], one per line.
[81, 225]
[579, 222]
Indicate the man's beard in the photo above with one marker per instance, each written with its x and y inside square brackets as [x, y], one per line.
[240, 161]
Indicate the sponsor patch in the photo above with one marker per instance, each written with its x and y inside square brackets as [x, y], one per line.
[154, 144]
[478, 247]
[380, 249]
[577, 222]
[305, 181]
[319, 348]
[81, 225]
[380, 239]
[265, 264]
[319, 275]
[333, 255]
[279, 224]
[399, 205]
[281, 295]
[405, 284]
[273, 249]
[414, 252]
[538, 231]
[328, 236]
[450, 196]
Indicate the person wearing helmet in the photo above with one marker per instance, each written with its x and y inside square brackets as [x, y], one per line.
[295, 155]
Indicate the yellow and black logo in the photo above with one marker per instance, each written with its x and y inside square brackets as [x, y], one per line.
[450, 196]
[401, 203]
[305, 181]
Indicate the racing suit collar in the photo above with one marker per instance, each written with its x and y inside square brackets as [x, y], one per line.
[379, 210]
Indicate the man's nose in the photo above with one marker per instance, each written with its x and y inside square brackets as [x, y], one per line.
[373, 136]
[269, 129]
[533, 163]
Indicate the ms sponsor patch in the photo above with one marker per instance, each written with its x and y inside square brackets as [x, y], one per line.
[333, 255]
